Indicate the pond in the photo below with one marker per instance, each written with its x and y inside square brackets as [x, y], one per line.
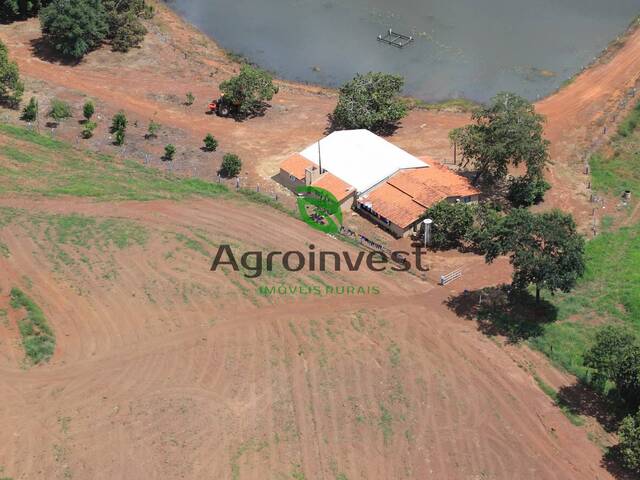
[461, 48]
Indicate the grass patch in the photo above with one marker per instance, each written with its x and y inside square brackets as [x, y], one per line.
[455, 104]
[37, 337]
[630, 124]
[385, 423]
[610, 288]
[552, 393]
[4, 250]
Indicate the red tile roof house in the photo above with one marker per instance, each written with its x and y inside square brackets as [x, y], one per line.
[381, 181]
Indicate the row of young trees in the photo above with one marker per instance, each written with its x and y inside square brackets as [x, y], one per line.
[75, 27]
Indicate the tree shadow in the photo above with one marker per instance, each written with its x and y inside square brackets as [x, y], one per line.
[502, 311]
[612, 461]
[582, 399]
[44, 51]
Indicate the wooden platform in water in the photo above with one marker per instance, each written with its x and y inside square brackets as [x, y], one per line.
[396, 39]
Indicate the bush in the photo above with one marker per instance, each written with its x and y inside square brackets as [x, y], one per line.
[605, 355]
[526, 191]
[169, 152]
[190, 99]
[59, 110]
[11, 88]
[88, 110]
[119, 122]
[19, 9]
[249, 90]
[452, 224]
[231, 165]
[370, 101]
[629, 447]
[126, 32]
[74, 27]
[30, 112]
[88, 128]
[152, 130]
[210, 143]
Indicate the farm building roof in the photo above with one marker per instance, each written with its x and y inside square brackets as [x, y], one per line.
[334, 185]
[359, 158]
[405, 196]
[295, 165]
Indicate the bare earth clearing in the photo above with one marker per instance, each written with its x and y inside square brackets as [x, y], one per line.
[164, 369]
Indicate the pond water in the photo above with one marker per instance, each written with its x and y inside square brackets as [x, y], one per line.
[462, 48]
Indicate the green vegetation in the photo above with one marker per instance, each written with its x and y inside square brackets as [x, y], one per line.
[371, 101]
[30, 112]
[629, 446]
[152, 130]
[455, 104]
[545, 250]
[88, 109]
[88, 128]
[452, 224]
[249, 91]
[119, 127]
[631, 123]
[37, 337]
[19, 9]
[190, 99]
[74, 27]
[210, 143]
[551, 392]
[169, 152]
[56, 169]
[11, 87]
[505, 133]
[231, 165]
[59, 110]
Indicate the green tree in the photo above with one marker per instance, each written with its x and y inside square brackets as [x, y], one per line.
[231, 165]
[74, 27]
[249, 90]
[169, 152]
[59, 110]
[20, 9]
[507, 132]
[88, 110]
[152, 130]
[11, 88]
[629, 447]
[119, 122]
[210, 143]
[30, 112]
[545, 249]
[125, 31]
[608, 350]
[88, 128]
[371, 101]
[190, 99]
[627, 375]
[452, 223]
[526, 191]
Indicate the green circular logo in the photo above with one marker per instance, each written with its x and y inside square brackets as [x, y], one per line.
[319, 209]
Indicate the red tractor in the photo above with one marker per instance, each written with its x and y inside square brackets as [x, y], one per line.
[223, 107]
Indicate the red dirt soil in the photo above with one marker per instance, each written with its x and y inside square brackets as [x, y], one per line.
[146, 383]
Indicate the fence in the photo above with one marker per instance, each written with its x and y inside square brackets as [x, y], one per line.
[362, 240]
[450, 277]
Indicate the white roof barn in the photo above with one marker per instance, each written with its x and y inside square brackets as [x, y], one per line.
[360, 158]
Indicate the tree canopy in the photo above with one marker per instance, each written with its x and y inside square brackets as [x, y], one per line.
[452, 223]
[74, 27]
[19, 9]
[370, 101]
[11, 87]
[545, 249]
[249, 90]
[506, 132]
